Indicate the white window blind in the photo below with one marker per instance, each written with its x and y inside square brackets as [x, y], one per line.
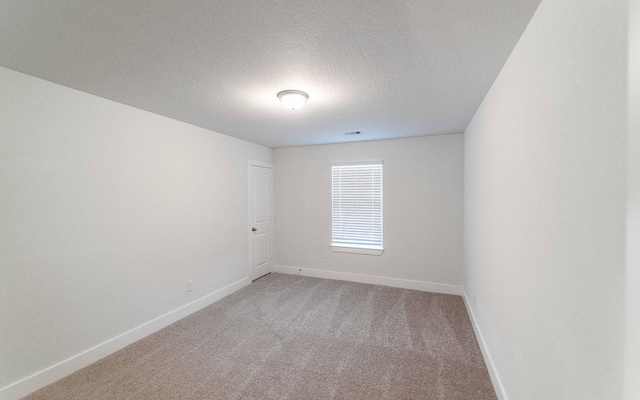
[357, 206]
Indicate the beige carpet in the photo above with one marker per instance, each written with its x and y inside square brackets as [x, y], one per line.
[291, 337]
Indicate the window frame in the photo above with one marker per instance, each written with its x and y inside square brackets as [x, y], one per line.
[359, 248]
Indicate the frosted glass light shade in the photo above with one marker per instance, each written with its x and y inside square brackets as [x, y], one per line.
[293, 99]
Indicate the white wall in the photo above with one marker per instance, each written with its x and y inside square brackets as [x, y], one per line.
[105, 212]
[545, 198]
[632, 342]
[422, 211]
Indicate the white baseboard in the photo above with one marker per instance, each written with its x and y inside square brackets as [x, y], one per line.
[375, 280]
[58, 371]
[488, 360]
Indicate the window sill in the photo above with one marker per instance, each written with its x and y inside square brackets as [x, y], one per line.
[357, 250]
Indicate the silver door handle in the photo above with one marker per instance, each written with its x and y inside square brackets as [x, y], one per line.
[253, 229]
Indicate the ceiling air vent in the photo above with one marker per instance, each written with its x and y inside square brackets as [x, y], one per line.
[353, 133]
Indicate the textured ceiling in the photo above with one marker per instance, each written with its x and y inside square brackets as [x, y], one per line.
[386, 68]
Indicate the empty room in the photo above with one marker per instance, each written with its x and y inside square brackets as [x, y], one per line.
[214, 199]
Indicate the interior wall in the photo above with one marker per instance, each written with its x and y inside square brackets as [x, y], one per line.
[422, 200]
[545, 202]
[106, 212]
[632, 343]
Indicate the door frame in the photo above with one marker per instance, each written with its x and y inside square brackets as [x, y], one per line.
[250, 246]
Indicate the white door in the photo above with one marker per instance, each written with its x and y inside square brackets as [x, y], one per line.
[260, 219]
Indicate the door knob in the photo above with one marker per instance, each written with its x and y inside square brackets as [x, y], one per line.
[253, 229]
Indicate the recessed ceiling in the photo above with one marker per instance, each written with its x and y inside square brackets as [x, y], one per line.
[386, 68]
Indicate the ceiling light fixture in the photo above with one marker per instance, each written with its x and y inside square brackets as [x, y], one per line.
[293, 99]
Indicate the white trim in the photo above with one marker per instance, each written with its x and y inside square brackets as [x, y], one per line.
[356, 250]
[72, 364]
[375, 280]
[262, 164]
[491, 367]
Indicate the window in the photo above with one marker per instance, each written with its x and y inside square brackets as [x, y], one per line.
[356, 208]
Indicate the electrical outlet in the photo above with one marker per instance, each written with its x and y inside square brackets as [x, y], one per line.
[326, 259]
[189, 286]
